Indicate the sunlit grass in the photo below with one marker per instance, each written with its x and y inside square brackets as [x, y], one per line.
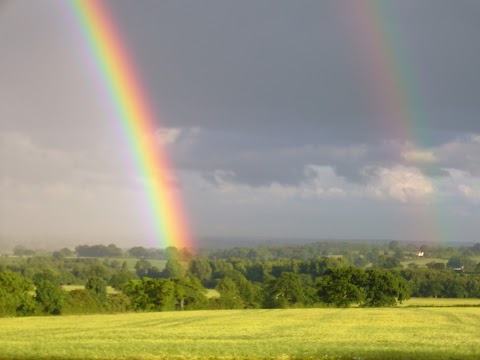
[422, 261]
[385, 333]
[110, 290]
[212, 293]
[439, 302]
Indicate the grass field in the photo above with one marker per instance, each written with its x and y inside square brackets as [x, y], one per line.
[110, 290]
[421, 262]
[384, 333]
[429, 302]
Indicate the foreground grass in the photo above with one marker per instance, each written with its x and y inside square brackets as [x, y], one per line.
[389, 333]
[440, 302]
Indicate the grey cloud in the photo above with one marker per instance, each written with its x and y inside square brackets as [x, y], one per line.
[259, 161]
[276, 67]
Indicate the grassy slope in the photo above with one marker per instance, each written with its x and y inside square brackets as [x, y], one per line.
[388, 333]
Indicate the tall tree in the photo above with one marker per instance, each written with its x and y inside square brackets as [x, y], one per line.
[342, 286]
[285, 291]
[15, 295]
[173, 270]
[384, 288]
[229, 294]
[98, 287]
[49, 294]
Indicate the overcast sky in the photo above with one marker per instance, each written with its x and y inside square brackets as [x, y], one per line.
[273, 113]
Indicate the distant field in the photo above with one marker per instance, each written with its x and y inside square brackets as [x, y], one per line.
[212, 293]
[386, 333]
[110, 290]
[423, 261]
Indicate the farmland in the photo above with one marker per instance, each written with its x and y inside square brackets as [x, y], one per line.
[380, 333]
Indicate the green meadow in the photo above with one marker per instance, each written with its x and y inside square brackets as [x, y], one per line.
[355, 333]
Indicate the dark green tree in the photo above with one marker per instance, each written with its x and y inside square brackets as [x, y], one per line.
[138, 252]
[190, 294]
[151, 294]
[285, 291]
[455, 262]
[383, 288]
[201, 269]
[49, 294]
[81, 301]
[15, 295]
[142, 267]
[342, 287]
[229, 294]
[98, 287]
[119, 278]
[387, 262]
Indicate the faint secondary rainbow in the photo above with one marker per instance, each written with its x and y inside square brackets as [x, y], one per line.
[135, 116]
[396, 92]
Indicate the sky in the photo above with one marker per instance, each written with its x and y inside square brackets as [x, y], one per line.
[283, 120]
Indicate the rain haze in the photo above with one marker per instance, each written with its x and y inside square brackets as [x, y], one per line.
[283, 120]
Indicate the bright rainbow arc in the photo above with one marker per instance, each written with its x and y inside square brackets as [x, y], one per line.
[137, 120]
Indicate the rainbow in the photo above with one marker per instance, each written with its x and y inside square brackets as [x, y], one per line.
[394, 85]
[135, 116]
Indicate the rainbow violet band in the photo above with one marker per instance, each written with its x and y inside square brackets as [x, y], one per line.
[136, 118]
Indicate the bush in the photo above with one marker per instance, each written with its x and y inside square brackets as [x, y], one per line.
[82, 302]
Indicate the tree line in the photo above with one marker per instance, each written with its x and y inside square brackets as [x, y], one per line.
[33, 285]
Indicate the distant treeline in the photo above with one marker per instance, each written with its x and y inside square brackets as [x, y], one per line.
[108, 251]
[360, 250]
[363, 249]
[367, 275]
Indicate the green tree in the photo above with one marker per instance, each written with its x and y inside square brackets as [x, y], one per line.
[201, 269]
[173, 270]
[21, 250]
[138, 252]
[49, 294]
[342, 286]
[151, 294]
[120, 277]
[15, 295]
[99, 271]
[455, 262]
[382, 288]
[387, 262]
[229, 294]
[98, 287]
[285, 291]
[81, 301]
[431, 285]
[142, 267]
[190, 294]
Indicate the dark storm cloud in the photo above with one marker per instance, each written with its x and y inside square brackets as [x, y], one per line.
[282, 68]
[277, 85]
